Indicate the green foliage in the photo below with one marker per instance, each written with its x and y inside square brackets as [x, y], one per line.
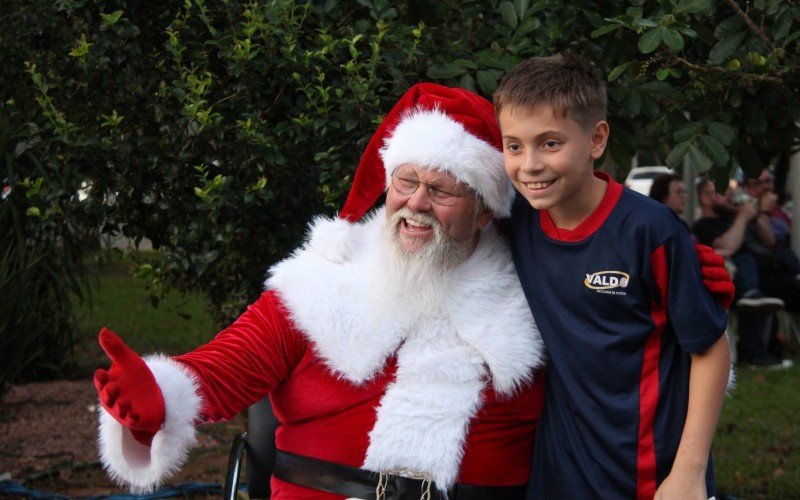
[217, 128]
[211, 128]
[727, 71]
[41, 269]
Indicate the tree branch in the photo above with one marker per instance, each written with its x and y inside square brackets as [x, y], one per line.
[735, 74]
[749, 22]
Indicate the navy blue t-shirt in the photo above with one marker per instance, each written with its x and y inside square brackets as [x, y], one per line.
[620, 304]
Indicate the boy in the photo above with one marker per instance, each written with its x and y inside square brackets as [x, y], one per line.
[638, 362]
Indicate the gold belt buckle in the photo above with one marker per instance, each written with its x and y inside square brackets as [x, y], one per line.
[383, 481]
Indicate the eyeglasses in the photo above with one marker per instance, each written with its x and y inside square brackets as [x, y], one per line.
[442, 191]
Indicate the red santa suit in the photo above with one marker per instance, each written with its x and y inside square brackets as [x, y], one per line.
[358, 378]
[436, 377]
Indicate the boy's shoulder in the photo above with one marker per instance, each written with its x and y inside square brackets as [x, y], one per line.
[644, 206]
[640, 210]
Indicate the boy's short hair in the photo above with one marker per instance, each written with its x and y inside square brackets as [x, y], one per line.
[569, 86]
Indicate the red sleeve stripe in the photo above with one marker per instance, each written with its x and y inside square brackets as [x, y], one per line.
[648, 385]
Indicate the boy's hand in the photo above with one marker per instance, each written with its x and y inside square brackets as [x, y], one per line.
[128, 390]
[715, 276]
[679, 488]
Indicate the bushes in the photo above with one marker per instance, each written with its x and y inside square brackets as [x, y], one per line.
[217, 128]
[41, 274]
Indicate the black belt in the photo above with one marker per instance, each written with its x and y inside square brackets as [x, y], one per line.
[354, 482]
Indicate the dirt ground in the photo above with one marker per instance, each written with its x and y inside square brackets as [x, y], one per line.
[48, 442]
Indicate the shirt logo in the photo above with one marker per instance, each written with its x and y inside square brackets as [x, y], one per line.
[607, 281]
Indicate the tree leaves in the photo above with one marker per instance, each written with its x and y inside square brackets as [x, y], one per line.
[651, 40]
[619, 70]
[692, 6]
[445, 71]
[725, 48]
[724, 134]
[291, 91]
[677, 153]
[673, 39]
[111, 19]
[716, 151]
[700, 161]
[487, 80]
[509, 13]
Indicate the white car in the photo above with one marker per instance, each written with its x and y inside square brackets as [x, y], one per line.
[641, 178]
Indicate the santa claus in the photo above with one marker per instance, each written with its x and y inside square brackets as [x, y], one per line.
[398, 351]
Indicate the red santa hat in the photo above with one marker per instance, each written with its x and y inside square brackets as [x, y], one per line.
[442, 128]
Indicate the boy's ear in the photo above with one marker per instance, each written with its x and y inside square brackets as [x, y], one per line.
[599, 139]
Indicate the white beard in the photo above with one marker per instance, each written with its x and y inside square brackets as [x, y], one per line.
[418, 280]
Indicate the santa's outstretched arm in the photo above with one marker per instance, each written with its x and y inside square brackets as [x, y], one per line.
[150, 406]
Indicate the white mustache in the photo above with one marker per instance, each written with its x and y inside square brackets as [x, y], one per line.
[417, 217]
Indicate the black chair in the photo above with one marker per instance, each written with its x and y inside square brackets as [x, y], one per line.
[258, 445]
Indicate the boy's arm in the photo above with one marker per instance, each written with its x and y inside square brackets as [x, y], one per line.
[707, 384]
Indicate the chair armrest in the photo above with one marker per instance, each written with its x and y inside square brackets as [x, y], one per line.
[235, 461]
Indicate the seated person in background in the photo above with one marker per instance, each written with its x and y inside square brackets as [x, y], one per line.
[763, 190]
[670, 190]
[741, 233]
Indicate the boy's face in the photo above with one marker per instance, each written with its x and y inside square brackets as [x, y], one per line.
[550, 161]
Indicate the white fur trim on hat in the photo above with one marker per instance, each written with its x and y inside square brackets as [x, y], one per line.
[433, 139]
[144, 468]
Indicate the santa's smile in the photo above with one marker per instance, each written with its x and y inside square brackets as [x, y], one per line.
[415, 229]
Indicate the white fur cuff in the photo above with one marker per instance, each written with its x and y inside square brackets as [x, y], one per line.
[144, 468]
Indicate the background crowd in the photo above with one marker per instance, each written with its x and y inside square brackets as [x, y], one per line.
[749, 225]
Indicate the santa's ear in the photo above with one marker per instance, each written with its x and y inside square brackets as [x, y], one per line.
[485, 215]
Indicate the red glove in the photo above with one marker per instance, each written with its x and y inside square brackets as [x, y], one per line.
[128, 390]
[715, 276]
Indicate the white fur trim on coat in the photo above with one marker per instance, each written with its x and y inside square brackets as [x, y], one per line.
[145, 468]
[731, 385]
[433, 139]
[482, 333]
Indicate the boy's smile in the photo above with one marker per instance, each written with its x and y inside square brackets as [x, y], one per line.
[550, 158]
